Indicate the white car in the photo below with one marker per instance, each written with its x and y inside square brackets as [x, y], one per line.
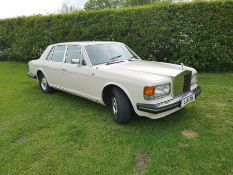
[112, 74]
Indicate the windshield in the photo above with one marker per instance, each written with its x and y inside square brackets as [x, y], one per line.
[104, 53]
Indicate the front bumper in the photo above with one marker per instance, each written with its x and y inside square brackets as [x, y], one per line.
[167, 105]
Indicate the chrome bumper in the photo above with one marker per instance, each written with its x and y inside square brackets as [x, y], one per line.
[31, 75]
[167, 105]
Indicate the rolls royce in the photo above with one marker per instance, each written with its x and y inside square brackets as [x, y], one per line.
[110, 73]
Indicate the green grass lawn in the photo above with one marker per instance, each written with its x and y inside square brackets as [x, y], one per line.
[64, 134]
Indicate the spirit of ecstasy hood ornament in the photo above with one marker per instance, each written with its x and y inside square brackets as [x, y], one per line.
[182, 66]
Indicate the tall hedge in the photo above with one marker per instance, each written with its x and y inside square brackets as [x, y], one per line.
[196, 34]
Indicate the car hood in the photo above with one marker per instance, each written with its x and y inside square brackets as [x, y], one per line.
[159, 68]
[145, 70]
[152, 67]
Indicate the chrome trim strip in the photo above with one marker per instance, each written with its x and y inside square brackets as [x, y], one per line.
[31, 75]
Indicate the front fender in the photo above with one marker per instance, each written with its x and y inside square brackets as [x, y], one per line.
[121, 86]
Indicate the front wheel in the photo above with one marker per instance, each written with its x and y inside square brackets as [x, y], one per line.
[44, 85]
[120, 107]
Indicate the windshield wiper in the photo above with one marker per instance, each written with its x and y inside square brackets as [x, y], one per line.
[133, 58]
[114, 59]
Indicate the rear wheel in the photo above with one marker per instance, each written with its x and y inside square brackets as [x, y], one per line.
[120, 107]
[44, 85]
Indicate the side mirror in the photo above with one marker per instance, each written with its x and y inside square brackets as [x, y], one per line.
[75, 61]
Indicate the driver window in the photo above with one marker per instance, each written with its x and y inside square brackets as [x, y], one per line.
[73, 52]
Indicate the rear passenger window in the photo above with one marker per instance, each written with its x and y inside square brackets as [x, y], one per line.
[73, 52]
[58, 53]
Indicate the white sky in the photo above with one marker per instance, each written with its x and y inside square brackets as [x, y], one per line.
[14, 8]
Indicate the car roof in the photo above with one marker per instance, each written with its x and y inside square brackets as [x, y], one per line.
[85, 43]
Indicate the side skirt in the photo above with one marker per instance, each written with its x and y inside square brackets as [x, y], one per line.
[88, 97]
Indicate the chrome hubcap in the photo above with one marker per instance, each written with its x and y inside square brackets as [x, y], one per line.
[44, 83]
[114, 105]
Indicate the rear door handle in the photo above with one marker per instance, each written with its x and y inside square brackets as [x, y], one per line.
[63, 69]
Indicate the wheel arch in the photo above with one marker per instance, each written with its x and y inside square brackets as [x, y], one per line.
[107, 92]
[38, 72]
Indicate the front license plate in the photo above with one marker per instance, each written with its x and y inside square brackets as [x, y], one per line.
[187, 100]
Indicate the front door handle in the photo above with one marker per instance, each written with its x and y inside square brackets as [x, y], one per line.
[63, 69]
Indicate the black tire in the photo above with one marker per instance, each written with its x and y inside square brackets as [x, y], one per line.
[44, 85]
[120, 107]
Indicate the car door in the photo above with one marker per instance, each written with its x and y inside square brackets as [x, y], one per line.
[75, 77]
[54, 65]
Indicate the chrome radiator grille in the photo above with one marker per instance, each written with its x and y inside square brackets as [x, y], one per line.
[182, 83]
[187, 81]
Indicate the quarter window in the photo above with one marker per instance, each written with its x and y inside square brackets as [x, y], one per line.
[49, 57]
[73, 52]
[58, 53]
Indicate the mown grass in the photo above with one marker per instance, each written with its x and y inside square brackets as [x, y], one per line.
[65, 134]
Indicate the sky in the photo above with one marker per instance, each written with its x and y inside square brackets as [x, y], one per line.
[14, 8]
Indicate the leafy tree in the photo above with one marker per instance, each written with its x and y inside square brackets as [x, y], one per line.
[100, 4]
[68, 8]
[138, 2]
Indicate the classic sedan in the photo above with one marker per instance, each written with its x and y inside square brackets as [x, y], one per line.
[112, 74]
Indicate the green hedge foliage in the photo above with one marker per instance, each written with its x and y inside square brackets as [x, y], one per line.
[196, 34]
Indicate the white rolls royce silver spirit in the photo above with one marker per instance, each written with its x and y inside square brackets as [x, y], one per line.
[112, 74]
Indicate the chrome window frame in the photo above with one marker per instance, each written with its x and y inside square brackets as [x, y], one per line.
[82, 54]
[85, 55]
[52, 49]
[64, 56]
